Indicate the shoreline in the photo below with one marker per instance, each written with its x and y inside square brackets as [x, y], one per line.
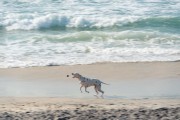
[96, 63]
[107, 71]
[127, 80]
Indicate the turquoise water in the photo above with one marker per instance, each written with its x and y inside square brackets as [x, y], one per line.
[66, 32]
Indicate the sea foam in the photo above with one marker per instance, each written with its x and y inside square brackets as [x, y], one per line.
[65, 32]
[50, 21]
[89, 47]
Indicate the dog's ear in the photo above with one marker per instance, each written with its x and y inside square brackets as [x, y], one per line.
[72, 73]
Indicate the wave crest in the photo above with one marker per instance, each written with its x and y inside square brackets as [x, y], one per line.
[51, 21]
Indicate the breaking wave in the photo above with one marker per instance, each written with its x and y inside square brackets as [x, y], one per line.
[54, 21]
[86, 47]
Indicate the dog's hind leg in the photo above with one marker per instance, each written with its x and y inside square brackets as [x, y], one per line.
[99, 89]
[102, 93]
[86, 89]
[95, 88]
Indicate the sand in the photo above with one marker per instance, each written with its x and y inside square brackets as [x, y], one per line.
[62, 108]
[88, 109]
[105, 71]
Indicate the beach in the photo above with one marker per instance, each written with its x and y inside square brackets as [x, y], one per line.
[25, 103]
[105, 71]
[127, 80]
[88, 109]
[132, 46]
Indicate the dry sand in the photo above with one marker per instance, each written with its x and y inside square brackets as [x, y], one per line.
[21, 108]
[88, 109]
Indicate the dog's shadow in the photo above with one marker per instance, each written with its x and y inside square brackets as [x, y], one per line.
[99, 97]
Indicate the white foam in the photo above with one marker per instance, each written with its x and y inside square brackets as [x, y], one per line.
[23, 15]
[100, 47]
[29, 22]
[22, 48]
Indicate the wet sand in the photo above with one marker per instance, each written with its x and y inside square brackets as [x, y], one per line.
[104, 71]
[22, 92]
[127, 80]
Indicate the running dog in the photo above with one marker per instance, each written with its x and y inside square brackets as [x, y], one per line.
[87, 82]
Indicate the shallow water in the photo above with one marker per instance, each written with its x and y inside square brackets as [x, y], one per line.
[58, 32]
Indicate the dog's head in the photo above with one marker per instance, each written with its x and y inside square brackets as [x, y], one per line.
[76, 75]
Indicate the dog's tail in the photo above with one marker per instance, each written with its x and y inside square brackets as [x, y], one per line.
[104, 83]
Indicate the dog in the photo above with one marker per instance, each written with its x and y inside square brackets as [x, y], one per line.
[87, 82]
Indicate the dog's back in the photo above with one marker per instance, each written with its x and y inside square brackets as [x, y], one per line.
[88, 81]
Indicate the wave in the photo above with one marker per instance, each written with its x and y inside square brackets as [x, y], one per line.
[86, 47]
[169, 22]
[124, 37]
[62, 22]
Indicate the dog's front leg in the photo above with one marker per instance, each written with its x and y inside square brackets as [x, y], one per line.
[80, 88]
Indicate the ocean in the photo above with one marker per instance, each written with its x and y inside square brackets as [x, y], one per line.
[68, 32]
